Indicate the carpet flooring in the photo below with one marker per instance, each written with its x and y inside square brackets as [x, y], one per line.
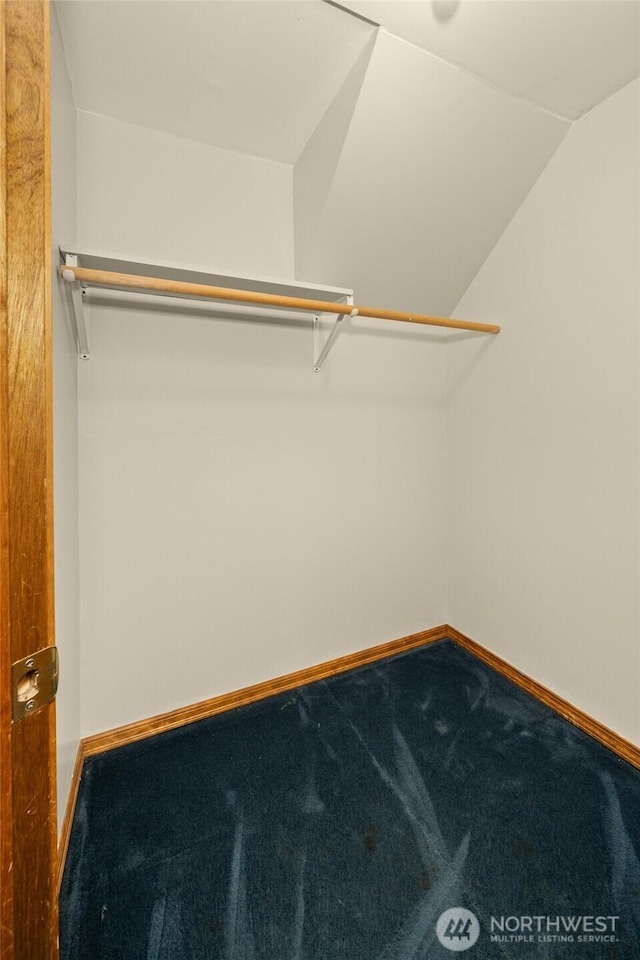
[344, 819]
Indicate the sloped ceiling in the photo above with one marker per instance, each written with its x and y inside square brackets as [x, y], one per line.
[565, 56]
[412, 176]
[407, 168]
[254, 77]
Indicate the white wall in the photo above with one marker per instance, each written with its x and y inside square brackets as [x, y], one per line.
[150, 196]
[241, 516]
[544, 429]
[65, 421]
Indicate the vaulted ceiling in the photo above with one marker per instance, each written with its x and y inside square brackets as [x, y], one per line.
[256, 76]
[415, 129]
[564, 56]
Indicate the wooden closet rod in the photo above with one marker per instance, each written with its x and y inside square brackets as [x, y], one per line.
[105, 278]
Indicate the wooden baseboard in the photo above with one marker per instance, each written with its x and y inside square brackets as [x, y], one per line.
[141, 729]
[110, 739]
[623, 748]
[101, 742]
[69, 812]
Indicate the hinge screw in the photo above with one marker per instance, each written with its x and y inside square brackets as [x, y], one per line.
[30, 663]
[30, 705]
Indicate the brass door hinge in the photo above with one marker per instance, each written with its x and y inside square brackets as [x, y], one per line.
[35, 682]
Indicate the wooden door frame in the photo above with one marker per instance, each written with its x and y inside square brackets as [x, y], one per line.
[28, 830]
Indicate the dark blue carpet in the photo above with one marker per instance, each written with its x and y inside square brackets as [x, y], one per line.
[340, 820]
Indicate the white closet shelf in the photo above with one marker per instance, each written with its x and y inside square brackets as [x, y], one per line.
[85, 270]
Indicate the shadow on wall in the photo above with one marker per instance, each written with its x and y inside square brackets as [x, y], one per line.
[465, 371]
[260, 316]
[202, 310]
[444, 10]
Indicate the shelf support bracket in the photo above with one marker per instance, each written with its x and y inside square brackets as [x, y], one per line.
[78, 305]
[320, 350]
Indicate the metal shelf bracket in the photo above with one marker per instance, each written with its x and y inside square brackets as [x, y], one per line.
[78, 304]
[320, 350]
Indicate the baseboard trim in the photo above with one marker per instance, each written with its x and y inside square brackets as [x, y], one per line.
[69, 812]
[619, 745]
[141, 729]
